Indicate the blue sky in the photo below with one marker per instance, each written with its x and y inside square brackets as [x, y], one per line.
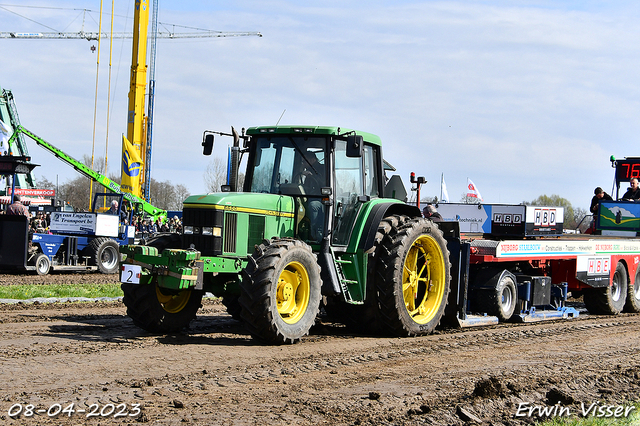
[524, 97]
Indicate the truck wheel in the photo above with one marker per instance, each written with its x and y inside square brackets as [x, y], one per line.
[500, 300]
[43, 264]
[633, 295]
[280, 291]
[104, 254]
[608, 300]
[413, 275]
[158, 310]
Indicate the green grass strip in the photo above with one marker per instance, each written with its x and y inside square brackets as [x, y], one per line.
[23, 292]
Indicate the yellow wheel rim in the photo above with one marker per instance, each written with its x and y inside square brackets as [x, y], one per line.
[173, 303]
[292, 294]
[423, 279]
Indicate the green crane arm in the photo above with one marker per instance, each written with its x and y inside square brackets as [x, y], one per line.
[91, 174]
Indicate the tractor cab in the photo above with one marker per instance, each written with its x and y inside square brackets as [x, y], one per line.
[329, 173]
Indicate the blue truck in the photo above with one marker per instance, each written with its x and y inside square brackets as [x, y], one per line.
[77, 240]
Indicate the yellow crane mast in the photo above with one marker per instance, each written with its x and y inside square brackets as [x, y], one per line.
[133, 146]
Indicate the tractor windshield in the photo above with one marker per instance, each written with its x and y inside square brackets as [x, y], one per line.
[289, 165]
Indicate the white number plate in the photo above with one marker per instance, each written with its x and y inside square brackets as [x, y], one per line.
[130, 274]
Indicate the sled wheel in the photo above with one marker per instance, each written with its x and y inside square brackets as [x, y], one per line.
[160, 310]
[608, 300]
[104, 254]
[500, 300]
[280, 291]
[633, 295]
[43, 264]
[413, 278]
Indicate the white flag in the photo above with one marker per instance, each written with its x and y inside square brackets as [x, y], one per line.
[443, 191]
[472, 190]
[5, 132]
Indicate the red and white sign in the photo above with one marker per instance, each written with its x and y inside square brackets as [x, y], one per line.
[33, 192]
[598, 265]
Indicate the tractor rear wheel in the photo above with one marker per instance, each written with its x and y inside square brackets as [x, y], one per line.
[608, 300]
[159, 310]
[104, 254]
[413, 275]
[280, 291]
[633, 295]
[365, 318]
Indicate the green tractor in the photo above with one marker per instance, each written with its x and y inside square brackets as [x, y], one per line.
[310, 230]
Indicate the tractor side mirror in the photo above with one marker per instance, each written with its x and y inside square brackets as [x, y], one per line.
[207, 144]
[354, 146]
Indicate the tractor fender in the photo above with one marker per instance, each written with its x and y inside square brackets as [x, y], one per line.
[378, 212]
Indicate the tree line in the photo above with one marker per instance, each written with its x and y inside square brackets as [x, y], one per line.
[76, 192]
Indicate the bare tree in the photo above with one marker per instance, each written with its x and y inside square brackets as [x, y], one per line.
[216, 175]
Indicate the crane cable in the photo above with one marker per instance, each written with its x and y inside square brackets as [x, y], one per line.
[95, 107]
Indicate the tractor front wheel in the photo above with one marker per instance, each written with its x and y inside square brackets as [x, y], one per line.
[280, 291]
[413, 274]
[160, 310]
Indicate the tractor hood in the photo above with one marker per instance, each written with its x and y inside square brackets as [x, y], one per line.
[246, 202]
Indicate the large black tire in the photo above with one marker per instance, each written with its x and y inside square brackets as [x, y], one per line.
[633, 295]
[159, 310]
[500, 300]
[233, 306]
[43, 264]
[365, 318]
[104, 254]
[608, 300]
[413, 278]
[280, 291]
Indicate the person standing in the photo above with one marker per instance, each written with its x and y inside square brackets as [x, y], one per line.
[599, 195]
[17, 208]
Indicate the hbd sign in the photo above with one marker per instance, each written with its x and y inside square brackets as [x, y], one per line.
[544, 217]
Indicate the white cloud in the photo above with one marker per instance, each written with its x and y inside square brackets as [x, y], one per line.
[524, 98]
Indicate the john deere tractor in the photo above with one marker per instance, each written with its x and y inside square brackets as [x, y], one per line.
[310, 230]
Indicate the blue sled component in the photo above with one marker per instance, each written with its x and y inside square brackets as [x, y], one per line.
[533, 315]
[477, 321]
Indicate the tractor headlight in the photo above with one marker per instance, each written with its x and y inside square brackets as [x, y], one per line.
[217, 231]
[207, 230]
[188, 230]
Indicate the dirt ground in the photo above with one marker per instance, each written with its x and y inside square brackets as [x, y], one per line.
[89, 360]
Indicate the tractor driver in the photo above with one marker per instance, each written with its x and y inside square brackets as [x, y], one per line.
[313, 178]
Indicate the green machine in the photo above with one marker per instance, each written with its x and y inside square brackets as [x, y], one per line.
[310, 230]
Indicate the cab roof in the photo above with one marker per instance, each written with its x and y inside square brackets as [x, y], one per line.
[312, 130]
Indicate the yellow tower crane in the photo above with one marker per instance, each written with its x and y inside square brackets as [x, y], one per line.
[136, 146]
